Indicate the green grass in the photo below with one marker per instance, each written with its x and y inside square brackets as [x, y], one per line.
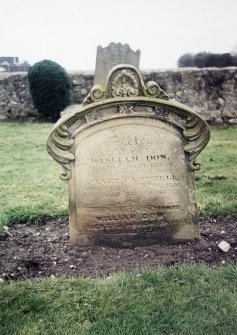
[187, 300]
[30, 186]
[31, 190]
[217, 179]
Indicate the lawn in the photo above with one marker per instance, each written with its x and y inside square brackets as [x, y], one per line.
[31, 190]
[188, 300]
[179, 301]
[217, 179]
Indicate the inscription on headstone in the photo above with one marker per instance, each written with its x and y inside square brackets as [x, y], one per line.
[129, 158]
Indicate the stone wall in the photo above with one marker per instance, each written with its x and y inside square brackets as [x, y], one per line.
[211, 91]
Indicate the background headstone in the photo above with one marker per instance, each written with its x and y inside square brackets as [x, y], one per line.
[112, 55]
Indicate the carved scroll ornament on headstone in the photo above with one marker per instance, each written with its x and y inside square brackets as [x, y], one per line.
[128, 155]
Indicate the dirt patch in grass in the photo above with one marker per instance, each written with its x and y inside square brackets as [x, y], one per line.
[29, 251]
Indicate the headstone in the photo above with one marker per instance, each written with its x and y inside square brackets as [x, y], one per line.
[112, 55]
[129, 158]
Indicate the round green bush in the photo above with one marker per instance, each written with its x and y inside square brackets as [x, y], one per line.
[49, 88]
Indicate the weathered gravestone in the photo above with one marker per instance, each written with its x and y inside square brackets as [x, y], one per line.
[129, 158]
[113, 54]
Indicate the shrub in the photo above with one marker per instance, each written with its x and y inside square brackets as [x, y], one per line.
[50, 88]
[207, 59]
[186, 60]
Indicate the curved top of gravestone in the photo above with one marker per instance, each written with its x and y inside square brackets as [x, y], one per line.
[125, 95]
[125, 80]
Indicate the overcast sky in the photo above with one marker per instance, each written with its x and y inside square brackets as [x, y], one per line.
[68, 31]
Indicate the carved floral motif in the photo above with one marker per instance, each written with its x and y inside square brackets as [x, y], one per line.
[92, 117]
[97, 93]
[125, 84]
[152, 89]
[198, 135]
[123, 109]
[58, 146]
